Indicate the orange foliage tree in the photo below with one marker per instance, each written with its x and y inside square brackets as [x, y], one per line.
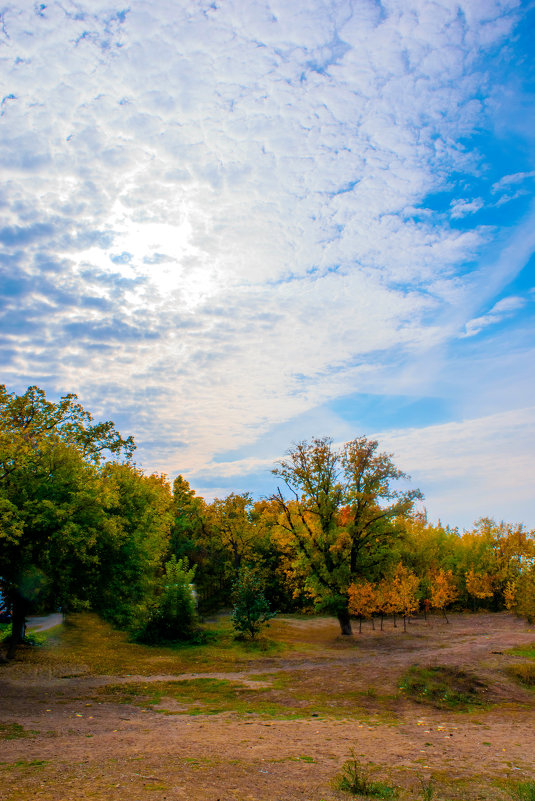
[404, 588]
[444, 590]
[362, 600]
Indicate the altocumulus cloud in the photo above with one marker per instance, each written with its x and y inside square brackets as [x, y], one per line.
[216, 218]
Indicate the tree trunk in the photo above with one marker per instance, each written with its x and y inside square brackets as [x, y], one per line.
[382, 622]
[345, 622]
[360, 624]
[404, 622]
[445, 615]
[373, 624]
[18, 624]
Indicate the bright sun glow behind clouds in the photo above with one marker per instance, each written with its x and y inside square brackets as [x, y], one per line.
[220, 219]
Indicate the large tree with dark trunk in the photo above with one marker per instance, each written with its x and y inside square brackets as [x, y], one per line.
[342, 516]
[52, 497]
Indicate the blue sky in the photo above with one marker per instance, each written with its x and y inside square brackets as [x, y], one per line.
[230, 226]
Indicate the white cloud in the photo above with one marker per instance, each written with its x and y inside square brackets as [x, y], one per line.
[501, 310]
[472, 468]
[263, 166]
[461, 208]
[512, 180]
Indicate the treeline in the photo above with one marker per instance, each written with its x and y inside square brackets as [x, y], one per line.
[82, 526]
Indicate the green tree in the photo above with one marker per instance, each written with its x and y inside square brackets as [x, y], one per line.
[343, 516]
[51, 495]
[188, 520]
[251, 609]
[227, 540]
[173, 617]
[132, 546]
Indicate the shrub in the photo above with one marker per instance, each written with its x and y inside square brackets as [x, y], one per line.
[173, 618]
[251, 609]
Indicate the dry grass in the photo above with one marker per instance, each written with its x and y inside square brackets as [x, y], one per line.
[272, 720]
[524, 673]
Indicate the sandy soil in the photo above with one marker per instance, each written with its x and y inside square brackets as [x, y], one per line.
[83, 746]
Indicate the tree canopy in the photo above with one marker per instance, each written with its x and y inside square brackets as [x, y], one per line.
[82, 526]
[342, 516]
[51, 495]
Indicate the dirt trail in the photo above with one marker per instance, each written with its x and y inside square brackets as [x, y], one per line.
[86, 747]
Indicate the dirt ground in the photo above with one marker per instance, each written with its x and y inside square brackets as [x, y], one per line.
[342, 696]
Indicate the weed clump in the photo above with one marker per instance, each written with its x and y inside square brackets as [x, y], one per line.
[355, 779]
[428, 790]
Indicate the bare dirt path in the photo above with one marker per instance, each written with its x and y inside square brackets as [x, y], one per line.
[83, 744]
[45, 622]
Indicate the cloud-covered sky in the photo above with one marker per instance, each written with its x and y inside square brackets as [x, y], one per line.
[229, 225]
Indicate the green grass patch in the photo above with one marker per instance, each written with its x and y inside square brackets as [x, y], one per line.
[25, 763]
[334, 699]
[203, 696]
[443, 687]
[287, 697]
[86, 644]
[524, 650]
[14, 731]
[523, 791]
[31, 637]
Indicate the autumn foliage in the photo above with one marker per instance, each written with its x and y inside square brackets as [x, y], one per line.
[80, 525]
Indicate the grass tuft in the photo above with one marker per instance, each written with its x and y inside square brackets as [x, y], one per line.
[355, 779]
[428, 790]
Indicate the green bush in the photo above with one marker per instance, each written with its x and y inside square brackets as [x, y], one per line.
[251, 609]
[173, 618]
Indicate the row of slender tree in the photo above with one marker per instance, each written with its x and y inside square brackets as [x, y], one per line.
[81, 525]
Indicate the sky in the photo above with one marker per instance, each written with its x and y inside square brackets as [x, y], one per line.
[232, 225]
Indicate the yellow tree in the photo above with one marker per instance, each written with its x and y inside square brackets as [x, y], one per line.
[479, 585]
[510, 596]
[444, 590]
[526, 593]
[502, 550]
[404, 592]
[386, 599]
[362, 600]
